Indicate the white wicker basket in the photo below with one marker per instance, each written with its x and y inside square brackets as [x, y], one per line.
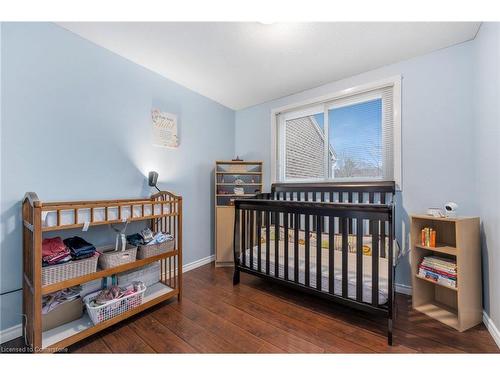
[111, 258]
[69, 270]
[99, 314]
[146, 251]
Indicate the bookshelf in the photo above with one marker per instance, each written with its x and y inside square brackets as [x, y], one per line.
[458, 240]
[233, 180]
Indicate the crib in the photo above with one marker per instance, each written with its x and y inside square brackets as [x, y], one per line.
[332, 240]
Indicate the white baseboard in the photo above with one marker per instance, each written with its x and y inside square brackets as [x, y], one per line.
[492, 329]
[198, 263]
[11, 333]
[403, 289]
[16, 331]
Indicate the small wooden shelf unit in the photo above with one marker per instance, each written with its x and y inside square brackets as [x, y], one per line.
[164, 209]
[457, 239]
[228, 175]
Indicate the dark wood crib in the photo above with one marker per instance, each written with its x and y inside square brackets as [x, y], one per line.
[333, 240]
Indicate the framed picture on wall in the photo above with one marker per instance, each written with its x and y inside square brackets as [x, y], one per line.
[164, 129]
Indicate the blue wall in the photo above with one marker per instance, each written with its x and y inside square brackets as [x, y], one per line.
[76, 125]
[438, 158]
[487, 102]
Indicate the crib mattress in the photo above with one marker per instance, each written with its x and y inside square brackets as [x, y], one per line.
[351, 273]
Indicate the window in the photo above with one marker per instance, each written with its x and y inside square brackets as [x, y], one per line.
[346, 137]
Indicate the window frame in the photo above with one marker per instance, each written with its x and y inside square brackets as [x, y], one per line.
[331, 101]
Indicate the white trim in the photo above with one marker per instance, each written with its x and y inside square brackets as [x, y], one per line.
[397, 152]
[492, 329]
[338, 95]
[274, 148]
[11, 333]
[355, 99]
[394, 81]
[403, 289]
[198, 263]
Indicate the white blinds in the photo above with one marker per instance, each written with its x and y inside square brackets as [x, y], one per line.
[388, 132]
[358, 138]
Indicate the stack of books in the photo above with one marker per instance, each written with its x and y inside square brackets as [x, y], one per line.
[428, 237]
[443, 271]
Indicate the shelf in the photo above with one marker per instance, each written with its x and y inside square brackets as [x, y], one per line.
[440, 248]
[440, 312]
[237, 195]
[238, 173]
[104, 222]
[435, 283]
[435, 218]
[233, 184]
[46, 289]
[238, 162]
[69, 333]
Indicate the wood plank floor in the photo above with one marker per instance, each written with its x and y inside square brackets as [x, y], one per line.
[261, 317]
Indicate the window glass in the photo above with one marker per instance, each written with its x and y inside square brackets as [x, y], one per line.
[304, 147]
[355, 135]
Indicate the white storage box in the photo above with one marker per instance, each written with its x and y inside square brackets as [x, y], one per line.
[149, 275]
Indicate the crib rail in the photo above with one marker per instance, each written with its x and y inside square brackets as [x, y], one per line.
[296, 232]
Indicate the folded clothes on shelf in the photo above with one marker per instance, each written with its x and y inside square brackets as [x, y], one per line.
[79, 248]
[138, 239]
[51, 301]
[160, 238]
[135, 239]
[54, 251]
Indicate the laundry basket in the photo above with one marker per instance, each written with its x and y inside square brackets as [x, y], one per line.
[99, 314]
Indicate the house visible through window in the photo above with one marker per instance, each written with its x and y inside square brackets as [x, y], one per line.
[349, 138]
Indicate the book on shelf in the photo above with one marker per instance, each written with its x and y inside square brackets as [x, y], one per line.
[428, 237]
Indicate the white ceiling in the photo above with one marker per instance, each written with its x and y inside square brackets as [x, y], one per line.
[242, 64]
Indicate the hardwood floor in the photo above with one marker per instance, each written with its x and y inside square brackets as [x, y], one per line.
[261, 317]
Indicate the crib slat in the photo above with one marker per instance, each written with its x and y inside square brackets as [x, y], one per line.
[371, 199]
[318, 253]
[382, 230]
[359, 260]
[243, 237]
[259, 243]
[285, 243]
[375, 260]
[276, 243]
[351, 224]
[345, 250]
[322, 198]
[331, 255]
[315, 217]
[268, 239]
[236, 243]
[251, 235]
[296, 248]
[307, 249]
[390, 274]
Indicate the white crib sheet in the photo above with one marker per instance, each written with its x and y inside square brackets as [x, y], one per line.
[351, 274]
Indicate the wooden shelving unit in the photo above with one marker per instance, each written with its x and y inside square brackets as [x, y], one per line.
[457, 239]
[228, 176]
[163, 209]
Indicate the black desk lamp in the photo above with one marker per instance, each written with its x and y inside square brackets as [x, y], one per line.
[153, 179]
